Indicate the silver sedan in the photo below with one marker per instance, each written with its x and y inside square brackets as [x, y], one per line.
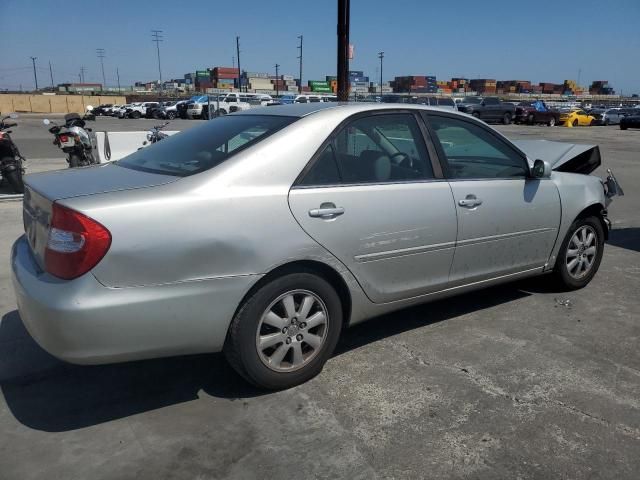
[264, 233]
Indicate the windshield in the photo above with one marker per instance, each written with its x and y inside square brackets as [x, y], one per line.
[471, 100]
[201, 148]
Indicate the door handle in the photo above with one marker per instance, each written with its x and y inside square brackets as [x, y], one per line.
[326, 211]
[470, 201]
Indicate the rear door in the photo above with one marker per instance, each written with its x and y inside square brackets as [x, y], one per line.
[492, 108]
[507, 221]
[374, 197]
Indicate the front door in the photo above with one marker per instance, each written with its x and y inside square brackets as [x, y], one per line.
[371, 198]
[507, 221]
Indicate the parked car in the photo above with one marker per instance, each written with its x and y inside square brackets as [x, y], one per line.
[102, 109]
[158, 110]
[576, 117]
[173, 111]
[122, 111]
[606, 116]
[535, 112]
[264, 233]
[138, 110]
[288, 99]
[261, 100]
[489, 109]
[630, 121]
[110, 111]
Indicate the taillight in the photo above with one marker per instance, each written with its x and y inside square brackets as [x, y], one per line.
[64, 138]
[75, 245]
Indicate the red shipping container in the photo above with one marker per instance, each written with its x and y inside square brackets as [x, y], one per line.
[225, 75]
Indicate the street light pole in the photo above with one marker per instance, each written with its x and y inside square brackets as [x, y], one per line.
[277, 81]
[343, 50]
[300, 58]
[238, 55]
[51, 74]
[118, 75]
[35, 75]
[380, 56]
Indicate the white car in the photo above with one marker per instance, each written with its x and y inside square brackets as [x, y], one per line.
[222, 105]
[307, 98]
[138, 110]
[121, 112]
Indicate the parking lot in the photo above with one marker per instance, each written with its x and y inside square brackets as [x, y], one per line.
[518, 382]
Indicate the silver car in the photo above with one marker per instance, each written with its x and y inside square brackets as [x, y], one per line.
[264, 233]
[609, 116]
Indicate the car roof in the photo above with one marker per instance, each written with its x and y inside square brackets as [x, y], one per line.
[304, 109]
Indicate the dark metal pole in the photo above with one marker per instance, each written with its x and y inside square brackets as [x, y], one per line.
[300, 57]
[381, 56]
[157, 37]
[118, 75]
[238, 55]
[343, 50]
[100, 53]
[277, 81]
[51, 74]
[35, 75]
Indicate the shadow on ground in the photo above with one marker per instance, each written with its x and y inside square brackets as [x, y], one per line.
[46, 394]
[628, 238]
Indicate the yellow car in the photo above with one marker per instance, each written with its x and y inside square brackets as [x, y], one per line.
[576, 118]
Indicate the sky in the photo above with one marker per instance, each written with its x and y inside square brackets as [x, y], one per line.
[542, 40]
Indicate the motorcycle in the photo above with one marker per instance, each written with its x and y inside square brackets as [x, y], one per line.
[10, 158]
[74, 139]
[155, 134]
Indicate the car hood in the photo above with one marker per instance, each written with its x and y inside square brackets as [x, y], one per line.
[76, 182]
[563, 157]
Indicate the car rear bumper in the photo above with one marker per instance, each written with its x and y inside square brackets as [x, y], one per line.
[81, 321]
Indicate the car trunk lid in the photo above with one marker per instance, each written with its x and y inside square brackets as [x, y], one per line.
[43, 189]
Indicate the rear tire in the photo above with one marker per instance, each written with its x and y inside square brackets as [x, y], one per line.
[506, 119]
[171, 115]
[74, 161]
[14, 179]
[575, 123]
[531, 120]
[475, 114]
[551, 122]
[577, 264]
[135, 115]
[266, 340]
[623, 127]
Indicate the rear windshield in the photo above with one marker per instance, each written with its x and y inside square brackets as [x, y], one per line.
[201, 148]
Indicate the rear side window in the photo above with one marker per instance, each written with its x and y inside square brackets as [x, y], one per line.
[201, 148]
[324, 171]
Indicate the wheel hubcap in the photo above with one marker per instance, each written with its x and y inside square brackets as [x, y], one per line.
[292, 330]
[581, 252]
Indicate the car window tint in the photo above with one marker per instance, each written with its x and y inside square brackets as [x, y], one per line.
[473, 152]
[324, 171]
[204, 147]
[382, 148]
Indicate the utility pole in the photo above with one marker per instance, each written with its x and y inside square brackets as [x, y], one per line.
[82, 69]
[343, 50]
[238, 55]
[156, 36]
[100, 52]
[300, 58]
[51, 74]
[118, 75]
[35, 75]
[277, 81]
[579, 72]
[380, 56]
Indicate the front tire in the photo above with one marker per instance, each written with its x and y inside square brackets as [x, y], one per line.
[575, 122]
[623, 127]
[580, 254]
[506, 119]
[551, 122]
[171, 115]
[285, 331]
[74, 161]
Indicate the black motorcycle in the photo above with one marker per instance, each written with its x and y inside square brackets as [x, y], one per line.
[10, 158]
[74, 139]
[156, 134]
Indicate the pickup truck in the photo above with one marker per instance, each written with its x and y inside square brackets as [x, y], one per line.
[489, 109]
[532, 113]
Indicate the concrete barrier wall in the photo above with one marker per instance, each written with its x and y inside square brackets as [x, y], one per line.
[53, 103]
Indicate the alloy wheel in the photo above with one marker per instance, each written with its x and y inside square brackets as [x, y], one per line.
[581, 252]
[292, 330]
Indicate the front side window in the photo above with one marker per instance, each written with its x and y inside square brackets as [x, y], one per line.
[202, 148]
[473, 152]
[382, 148]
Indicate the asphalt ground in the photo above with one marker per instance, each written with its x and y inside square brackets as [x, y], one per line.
[519, 381]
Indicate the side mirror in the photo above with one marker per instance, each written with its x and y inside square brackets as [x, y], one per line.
[14, 116]
[541, 169]
[46, 121]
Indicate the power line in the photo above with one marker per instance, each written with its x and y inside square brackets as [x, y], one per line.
[156, 36]
[101, 55]
[35, 75]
